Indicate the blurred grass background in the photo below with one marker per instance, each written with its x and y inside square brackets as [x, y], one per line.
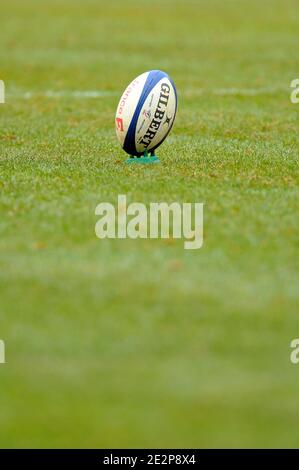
[123, 343]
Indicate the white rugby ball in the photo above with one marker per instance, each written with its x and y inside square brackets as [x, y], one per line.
[146, 112]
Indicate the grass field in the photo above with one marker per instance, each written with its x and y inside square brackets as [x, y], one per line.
[123, 343]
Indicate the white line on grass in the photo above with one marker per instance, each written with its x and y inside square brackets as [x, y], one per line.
[64, 94]
[93, 94]
[236, 91]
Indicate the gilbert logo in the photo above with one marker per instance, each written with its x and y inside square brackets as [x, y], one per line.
[158, 116]
[2, 352]
[2, 92]
[160, 220]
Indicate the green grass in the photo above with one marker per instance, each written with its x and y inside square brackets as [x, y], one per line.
[116, 343]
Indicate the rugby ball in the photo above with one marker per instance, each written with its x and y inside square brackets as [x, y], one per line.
[146, 112]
